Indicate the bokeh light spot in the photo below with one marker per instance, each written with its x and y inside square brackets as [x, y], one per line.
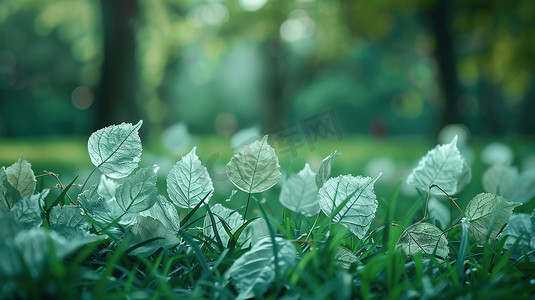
[297, 27]
[252, 5]
[82, 97]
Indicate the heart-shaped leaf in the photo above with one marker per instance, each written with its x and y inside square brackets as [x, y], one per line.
[520, 228]
[233, 219]
[69, 215]
[345, 257]
[524, 189]
[423, 238]
[21, 177]
[499, 179]
[255, 168]
[189, 182]
[29, 210]
[147, 228]
[443, 166]
[8, 194]
[487, 214]
[254, 271]
[165, 212]
[116, 150]
[139, 191]
[359, 210]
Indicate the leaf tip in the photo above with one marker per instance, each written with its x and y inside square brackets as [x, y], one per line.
[138, 125]
[454, 141]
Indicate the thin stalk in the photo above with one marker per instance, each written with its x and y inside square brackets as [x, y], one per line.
[313, 226]
[452, 200]
[59, 185]
[246, 208]
[87, 179]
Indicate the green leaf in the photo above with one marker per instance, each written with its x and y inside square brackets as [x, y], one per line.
[505, 181]
[29, 210]
[520, 228]
[146, 228]
[104, 211]
[359, 211]
[69, 222]
[139, 191]
[116, 150]
[437, 210]
[69, 215]
[189, 182]
[165, 212]
[524, 189]
[32, 248]
[443, 166]
[324, 171]
[258, 230]
[255, 168]
[344, 257]
[21, 177]
[487, 214]
[500, 180]
[107, 187]
[300, 194]
[90, 198]
[423, 238]
[231, 217]
[8, 194]
[253, 273]
[9, 227]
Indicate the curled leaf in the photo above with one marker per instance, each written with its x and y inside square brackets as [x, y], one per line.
[324, 171]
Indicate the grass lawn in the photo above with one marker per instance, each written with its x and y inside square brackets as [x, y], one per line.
[370, 267]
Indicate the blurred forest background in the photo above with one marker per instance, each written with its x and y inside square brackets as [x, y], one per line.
[69, 67]
[378, 80]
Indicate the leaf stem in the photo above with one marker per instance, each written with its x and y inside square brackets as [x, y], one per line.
[246, 208]
[313, 226]
[59, 185]
[434, 185]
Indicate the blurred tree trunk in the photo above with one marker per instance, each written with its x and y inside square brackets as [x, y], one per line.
[440, 17]
[274, 109]
[115, 101]
[490, 107]
[526, 124]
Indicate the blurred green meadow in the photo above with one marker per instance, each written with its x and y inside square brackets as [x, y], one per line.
[393, 157]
